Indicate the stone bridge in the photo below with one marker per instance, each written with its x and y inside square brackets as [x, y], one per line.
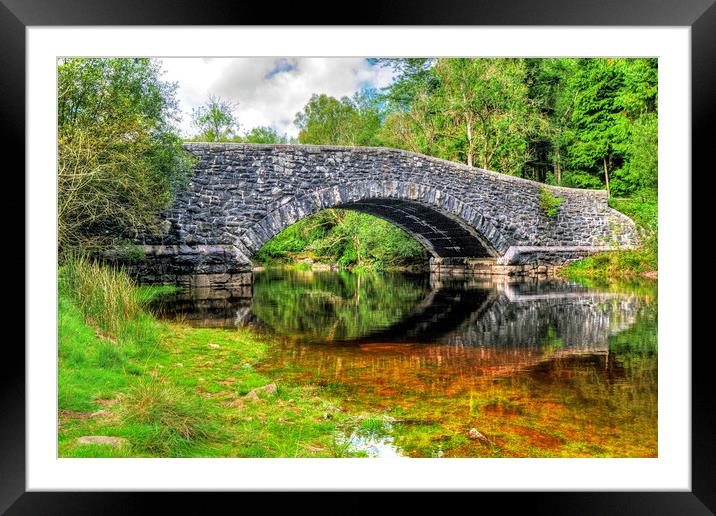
[241, 195]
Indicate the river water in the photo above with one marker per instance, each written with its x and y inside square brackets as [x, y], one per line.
[450, 368]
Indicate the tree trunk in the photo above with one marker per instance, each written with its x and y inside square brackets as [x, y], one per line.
[557, 168]
[606, 175]
[469, 144]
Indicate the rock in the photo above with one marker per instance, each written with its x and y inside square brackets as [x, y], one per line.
[251, 395]
[475, 434]
[115, 442]
[270, 388]
[254, 393]
[214, 346]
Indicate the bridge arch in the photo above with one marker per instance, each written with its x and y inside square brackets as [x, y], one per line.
[443, 224]
[241, 195]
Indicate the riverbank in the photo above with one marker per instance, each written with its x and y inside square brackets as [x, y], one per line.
[144, 388]
[637, 263]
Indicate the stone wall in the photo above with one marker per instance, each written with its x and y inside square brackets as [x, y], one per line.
[242, 195]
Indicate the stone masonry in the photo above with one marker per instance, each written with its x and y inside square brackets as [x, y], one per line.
[241, 195]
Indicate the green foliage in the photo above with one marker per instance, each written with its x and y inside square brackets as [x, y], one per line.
[549, 202]
[127, 252]
[263, 135]
[350, 121]
[106, 296]
[215, 120]
[563, 120]
[613, 264]
[349, 238]
[640, 174]
[119, 161]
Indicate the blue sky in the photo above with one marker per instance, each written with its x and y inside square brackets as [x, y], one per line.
[268, 91]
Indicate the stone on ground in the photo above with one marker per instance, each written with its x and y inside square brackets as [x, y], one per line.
[103, 439]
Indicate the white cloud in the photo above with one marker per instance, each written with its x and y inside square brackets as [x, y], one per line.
[268, 91]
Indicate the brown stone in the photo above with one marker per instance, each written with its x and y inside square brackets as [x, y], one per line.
[115, 442]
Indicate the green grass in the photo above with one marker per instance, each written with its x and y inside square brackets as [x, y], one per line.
[613, 264]
[172, 390]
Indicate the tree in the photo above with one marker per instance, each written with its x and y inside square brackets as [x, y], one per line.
[327, 121]
[610, 96]
[215, 120]
[487, 114]
[472, 110]
[350, 121]
[411, 122]
[550, 91]
[119, 159]
[263, 135]
[599, 133]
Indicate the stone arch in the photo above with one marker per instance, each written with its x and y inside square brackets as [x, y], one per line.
[401, 203]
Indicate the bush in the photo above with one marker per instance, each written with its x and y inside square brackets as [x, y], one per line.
[549, 202]
[119, 161]
[349, 238]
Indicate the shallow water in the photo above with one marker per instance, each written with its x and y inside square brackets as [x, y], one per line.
[536, 368]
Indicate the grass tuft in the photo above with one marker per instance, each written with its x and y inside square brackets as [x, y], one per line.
[106, 296]
[169, 419]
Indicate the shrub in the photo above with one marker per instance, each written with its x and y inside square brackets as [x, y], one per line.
[549, 202]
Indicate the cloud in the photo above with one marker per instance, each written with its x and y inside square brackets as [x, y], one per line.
[269, 91]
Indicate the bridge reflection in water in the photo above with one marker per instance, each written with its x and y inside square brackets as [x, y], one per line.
[492, 326]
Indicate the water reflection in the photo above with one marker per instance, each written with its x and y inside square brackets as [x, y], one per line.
[541, 368]
[350, 309]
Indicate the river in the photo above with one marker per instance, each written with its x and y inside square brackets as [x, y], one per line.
[490, 368]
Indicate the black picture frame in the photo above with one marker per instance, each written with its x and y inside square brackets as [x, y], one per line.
[17, 15]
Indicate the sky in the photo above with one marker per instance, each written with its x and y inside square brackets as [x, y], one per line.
[267, 91]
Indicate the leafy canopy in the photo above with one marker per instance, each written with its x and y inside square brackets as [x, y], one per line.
[119, 159]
